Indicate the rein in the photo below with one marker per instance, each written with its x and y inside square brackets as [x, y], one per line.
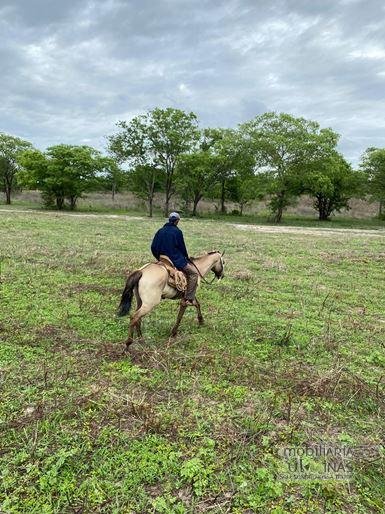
[200, 274]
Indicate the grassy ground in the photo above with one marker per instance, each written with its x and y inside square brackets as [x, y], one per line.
[292, 353]
[288, 221]
[361, 215]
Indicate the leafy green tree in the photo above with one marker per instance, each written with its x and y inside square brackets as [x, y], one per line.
[244, 188]
[195, 176]
[132, 145]
[10, 149]
[144, 181]
[373, 164]
[156, 140]
[247, 184]
[62, 172]
[284, 147]
[224, 146]
[332, 183]
[111, 177]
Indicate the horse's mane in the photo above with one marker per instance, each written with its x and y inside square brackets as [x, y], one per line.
[207, 253]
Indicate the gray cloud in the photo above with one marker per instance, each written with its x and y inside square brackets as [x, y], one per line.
[71, 69]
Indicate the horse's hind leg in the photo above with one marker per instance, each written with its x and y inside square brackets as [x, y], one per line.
[138, 306]
[130, 338]
[200, 317]
[135, 323]
[139, 329]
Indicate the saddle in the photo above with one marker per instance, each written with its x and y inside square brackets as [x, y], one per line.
[176, 278]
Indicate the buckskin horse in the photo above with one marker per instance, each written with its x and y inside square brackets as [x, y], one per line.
[150, 285]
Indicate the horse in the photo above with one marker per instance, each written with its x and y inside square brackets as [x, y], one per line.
[150, 285]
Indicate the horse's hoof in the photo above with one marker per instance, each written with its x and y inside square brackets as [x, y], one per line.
[201, 321]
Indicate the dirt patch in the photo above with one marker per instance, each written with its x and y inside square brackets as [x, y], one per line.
[311, 231]
[73, 214]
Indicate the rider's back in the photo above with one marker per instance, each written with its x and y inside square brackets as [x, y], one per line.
[169, 241]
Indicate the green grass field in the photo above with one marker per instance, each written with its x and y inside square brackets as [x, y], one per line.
[292, 353]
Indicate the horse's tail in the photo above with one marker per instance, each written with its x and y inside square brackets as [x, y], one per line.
[125, 302]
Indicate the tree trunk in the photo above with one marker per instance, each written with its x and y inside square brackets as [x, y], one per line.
[59, 202]
[279, 205]
[380, 209]
[323, 215]
[113, 191]
[241, 209]
[197, 199]
[8, 179]
[73, 200]
[324, 206]
[7, 195]
[223, 195]
[168, 189]
[151, 192]
[278, 215]
[321, 208]
[167, 201]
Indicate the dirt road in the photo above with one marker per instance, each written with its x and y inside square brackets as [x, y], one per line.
[272, 229]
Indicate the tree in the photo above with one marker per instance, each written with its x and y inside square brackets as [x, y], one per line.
[284, 147]
[195, 176]
[62, 172]
[224, 146]
[131, 145]
[156, 140]
[247, 184]
[373, 164]
[244, 188]
[332, 183]
[144, 180]
[10, 149]
[111, 176]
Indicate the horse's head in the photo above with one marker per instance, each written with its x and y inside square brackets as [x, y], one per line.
[218, 266]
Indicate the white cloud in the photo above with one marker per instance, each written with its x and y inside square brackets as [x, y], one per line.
[72, 69]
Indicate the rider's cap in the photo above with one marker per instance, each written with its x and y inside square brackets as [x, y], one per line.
[174, 216]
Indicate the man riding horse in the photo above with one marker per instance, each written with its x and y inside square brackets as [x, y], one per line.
[151, 283]
[169, 241]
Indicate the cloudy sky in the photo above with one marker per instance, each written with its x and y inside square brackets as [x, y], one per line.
[70, 69]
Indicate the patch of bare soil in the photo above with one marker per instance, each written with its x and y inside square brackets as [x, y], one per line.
[311, 231]
[255, 228]
[74, 214]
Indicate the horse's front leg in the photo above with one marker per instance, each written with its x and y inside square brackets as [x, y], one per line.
[200, 317]
[182, 308]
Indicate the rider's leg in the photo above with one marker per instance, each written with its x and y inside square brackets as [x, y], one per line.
[192, 283]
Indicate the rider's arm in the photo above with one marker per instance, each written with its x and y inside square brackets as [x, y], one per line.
[154, 247]
[181, 244]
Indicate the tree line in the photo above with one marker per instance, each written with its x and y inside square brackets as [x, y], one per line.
[274, 156]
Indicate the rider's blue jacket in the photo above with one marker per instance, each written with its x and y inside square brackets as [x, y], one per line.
[169, 241]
